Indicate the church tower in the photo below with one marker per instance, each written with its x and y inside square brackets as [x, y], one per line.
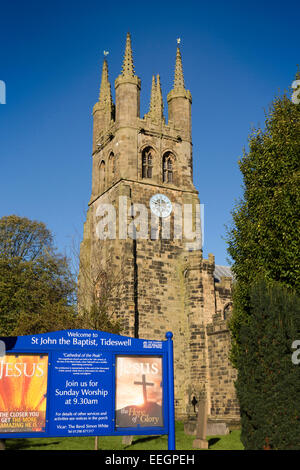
[142, 235]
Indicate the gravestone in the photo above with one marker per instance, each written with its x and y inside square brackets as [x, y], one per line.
[217, 429]
[213, 428]
[200, 442]
[127, 440]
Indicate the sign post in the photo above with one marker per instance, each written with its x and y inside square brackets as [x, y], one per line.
[171, 433]
[86, 383]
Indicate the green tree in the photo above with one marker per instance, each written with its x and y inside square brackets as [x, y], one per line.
[264, 238]
[23, 239]
[38, 290]
[35, 281]
[263, 241]
[268, 383]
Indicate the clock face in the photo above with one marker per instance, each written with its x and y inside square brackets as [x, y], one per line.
[160, 205]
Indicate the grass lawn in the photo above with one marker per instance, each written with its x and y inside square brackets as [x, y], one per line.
[183, 442]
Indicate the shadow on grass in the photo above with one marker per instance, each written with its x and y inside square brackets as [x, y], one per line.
[213, 441]
[23, 444]
[144, 439]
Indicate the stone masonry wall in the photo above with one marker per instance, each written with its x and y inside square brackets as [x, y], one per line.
[223, 401]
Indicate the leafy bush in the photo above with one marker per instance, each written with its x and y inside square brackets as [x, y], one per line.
[268, 384]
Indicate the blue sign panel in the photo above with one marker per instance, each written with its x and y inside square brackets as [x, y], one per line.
[85, 383]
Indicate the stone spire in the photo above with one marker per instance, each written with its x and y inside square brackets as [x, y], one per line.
[159, 100]
[178, 77]
[153, 97]
[104, 109]
[156, 101]
[127, 86]
[179, 87]
[179, 100]
[128, 68]
[105, 98]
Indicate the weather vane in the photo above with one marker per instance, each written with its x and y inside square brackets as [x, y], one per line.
[178, 40]
[105, 53]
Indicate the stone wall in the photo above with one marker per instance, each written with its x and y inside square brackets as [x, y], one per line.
[223, 401]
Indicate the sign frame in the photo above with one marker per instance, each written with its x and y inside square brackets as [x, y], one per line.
[105, 347]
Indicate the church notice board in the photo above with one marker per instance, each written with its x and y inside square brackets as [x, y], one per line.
[86, 383]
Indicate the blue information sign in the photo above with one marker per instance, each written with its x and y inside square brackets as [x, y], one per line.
[86, 383]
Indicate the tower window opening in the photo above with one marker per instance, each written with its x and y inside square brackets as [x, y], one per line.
[147, 163]
[102, 176]
[112, 164]
[168, 168]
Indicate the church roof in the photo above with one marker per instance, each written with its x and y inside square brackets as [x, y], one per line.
[222, 271]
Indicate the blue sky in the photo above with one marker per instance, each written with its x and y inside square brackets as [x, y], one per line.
[236, 56]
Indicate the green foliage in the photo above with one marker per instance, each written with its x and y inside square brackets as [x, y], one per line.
[264, 245]
[37, 287]
[24, 239]
[264, 237]
[34, 279]
[50, 317]
[268, 384]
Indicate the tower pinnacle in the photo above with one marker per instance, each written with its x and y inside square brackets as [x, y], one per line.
[156, 101]
[152, 99]
[104, 109]
[128, 68]
[127, 86]
[179, 99]
[159, 100]
[105, 98]
[178, 78]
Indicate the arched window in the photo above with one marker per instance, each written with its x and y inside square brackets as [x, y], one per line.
[147, 163]
[111, 166]
[102, 176]
[168, 163]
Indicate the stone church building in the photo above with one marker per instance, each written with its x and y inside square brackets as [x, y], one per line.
[137, 251]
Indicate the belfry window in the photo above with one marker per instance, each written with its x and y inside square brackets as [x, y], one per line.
[112, 166]
[147, 163]
[102, 176]
[168, 168]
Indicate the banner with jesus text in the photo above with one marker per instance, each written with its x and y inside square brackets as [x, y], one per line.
[139, 391]
[23, 393]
